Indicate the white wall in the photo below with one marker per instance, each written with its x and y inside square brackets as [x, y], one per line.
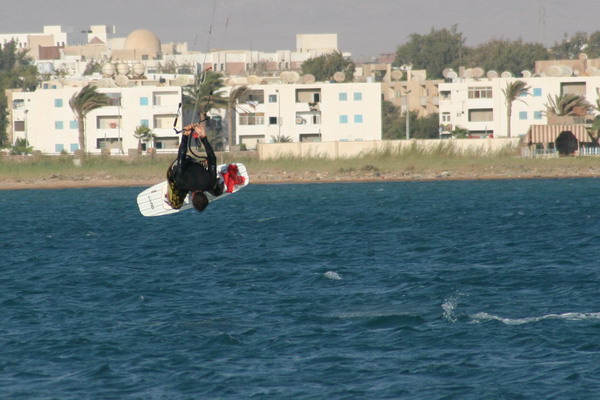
[532, 106]
[354, 119]
[49, 118]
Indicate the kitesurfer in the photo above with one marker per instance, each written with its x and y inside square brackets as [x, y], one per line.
[190, 175]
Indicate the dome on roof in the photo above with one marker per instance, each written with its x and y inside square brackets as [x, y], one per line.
[144, 41]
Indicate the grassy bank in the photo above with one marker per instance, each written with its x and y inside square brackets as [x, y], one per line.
[406, 164]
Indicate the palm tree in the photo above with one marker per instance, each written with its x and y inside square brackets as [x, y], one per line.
[205, 94]
[143, 134]
[567, 104]
[281, 139]
[511, 93]
[232, 101]
[82, 102]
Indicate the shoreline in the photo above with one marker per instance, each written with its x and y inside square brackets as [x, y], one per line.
[84, 182]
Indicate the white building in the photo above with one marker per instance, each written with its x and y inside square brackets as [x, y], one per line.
[319, 112]
[479, 106]
[46, 120]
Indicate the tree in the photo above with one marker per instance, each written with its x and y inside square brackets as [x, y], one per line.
[394, 123]
[426, 127]
[570, 48]
[434, 52]
[21, 147]
[511, 93]
[16, 71]
[504, 55]
[593, 45]
[92, 67]
[390, 117]
[281, 139]
[232, 101]
[143, 134]
[567, 104]
[594, 130]
[205, 94]
[323, 67]
[82, 102]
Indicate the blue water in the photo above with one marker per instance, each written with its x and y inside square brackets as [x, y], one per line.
[409, 290]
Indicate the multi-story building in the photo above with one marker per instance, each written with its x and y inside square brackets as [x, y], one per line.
[403, 87]
[319, 112]
[45, 119]
[479, 105]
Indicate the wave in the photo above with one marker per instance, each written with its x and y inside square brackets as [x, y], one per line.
[332, 275]
[572, 316]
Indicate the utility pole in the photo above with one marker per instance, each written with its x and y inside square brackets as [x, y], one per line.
[407, 115]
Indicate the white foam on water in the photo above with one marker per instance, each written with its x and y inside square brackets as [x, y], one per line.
[332, 275]
[449, 305]
[573, 316]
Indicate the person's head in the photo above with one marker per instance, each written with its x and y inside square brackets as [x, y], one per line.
[199, 200]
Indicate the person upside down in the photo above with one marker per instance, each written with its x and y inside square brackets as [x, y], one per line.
[189, 175]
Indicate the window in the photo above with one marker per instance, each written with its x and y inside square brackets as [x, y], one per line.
[310, 137]
[445, 94]
[481, 115]
[343, 96]
[166, 143]
[163, 121]
[59, 147]
[107, 122]
[358, 119]
[537, 115]
[18, 104]
[357, 96]
[73, 124]
[272, 120]
[114, 99]
[145, 122]
[143, 101]
[308, 96]
[58, 103]
[165, 98]
[74, 146]
[537, 92]
[19, 126]
[272, 98]
[573, 88]
[308, 118]
[343, 119]
[252, 119]
[484, 92]
[58, 125]
[446, 117]
[522, 115]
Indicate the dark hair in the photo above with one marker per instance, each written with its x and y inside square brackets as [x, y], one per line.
[199, 200]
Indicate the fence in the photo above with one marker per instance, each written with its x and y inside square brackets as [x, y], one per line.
[538, 153]
[589, 151]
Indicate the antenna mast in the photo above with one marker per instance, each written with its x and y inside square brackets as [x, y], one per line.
[541, 33]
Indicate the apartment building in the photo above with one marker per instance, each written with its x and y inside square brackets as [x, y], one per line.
[46, 120]
[315, 112]
[479, 106]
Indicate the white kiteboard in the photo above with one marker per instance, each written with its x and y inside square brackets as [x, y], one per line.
[152, 201]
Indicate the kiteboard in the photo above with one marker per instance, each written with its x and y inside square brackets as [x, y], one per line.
[152, 201]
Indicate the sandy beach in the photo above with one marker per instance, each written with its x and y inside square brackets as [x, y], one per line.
[56, 181]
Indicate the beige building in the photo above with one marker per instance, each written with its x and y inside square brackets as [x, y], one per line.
[398, 86]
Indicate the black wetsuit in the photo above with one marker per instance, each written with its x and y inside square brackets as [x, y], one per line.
[191, 175]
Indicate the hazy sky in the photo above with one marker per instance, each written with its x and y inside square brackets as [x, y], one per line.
[365, 28]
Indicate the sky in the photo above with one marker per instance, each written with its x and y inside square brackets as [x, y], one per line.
[365, 28]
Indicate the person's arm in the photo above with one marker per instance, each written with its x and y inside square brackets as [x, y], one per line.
[182, 152]
[210, 154]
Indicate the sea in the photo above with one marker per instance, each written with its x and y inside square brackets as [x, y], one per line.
[382, 290]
